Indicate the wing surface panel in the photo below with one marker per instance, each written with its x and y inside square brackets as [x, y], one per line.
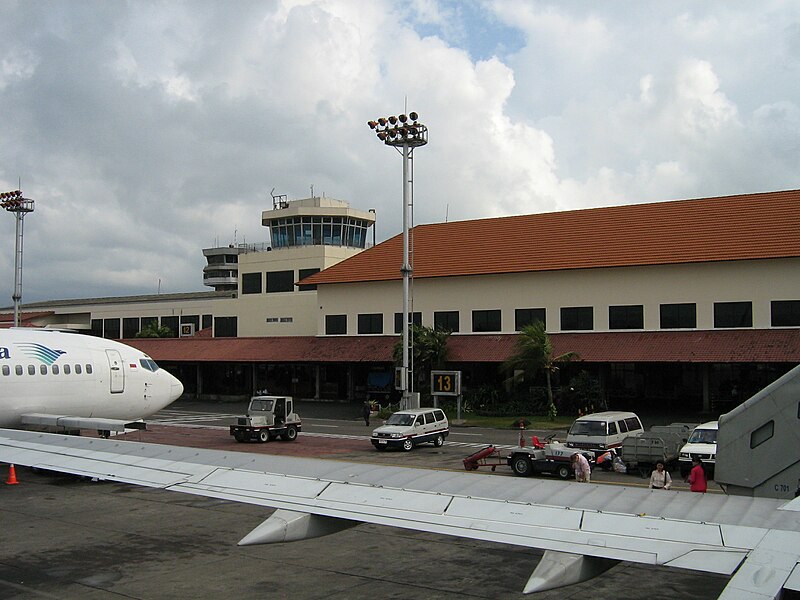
[550, 515]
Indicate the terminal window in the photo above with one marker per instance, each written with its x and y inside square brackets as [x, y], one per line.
[370, 323]
[733, 314]
[529, 316]
[111, 329]
[280, 281]
[335, 324]
[577, 318]
[251, 283]
[626, 317]
[302, 274]
[678, 316]
[785, 313]
[485, 320]
[416, 319]
[446, 320]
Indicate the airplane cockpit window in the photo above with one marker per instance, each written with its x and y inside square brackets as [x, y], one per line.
[149, 364]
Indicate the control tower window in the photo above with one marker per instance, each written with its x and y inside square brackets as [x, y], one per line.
[318, 231]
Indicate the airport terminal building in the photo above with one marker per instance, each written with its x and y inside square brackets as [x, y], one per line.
[690, 304]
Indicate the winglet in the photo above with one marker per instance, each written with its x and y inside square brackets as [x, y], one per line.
[290, 526]
[558, 569]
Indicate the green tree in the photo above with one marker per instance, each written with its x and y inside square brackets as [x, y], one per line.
[428, 352]
[533, 353]
[154, 330]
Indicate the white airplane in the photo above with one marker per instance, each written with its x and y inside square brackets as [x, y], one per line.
[63, 380]
[584, 529]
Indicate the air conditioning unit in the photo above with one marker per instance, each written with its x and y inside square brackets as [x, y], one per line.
[187, 329]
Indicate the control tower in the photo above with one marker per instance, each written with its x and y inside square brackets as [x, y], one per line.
[306, 236]
[316, 222]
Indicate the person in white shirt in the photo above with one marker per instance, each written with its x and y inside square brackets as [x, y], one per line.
[660, 478]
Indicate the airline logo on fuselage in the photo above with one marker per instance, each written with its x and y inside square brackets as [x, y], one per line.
[47, 355]
[4, 353]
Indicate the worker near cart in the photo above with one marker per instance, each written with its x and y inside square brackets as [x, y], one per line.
[660, 478]
[365, 412]
[583, 472]
[697, 479]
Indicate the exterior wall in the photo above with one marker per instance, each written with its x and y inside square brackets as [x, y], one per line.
[296, 311]
[703, 284]
[78, 316]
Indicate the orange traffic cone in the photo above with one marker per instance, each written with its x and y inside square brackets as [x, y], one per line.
[12, 476]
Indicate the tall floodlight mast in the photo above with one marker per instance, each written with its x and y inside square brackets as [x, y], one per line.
[406, 133]
[13, 202]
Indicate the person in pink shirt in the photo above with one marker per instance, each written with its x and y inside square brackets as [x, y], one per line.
[697, 477]
[583, 472]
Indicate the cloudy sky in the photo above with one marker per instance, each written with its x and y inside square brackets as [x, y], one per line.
[146, 131]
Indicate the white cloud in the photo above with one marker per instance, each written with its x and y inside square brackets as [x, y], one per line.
[146, 131]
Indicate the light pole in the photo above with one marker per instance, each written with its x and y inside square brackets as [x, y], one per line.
[406, 133]
[13, 202]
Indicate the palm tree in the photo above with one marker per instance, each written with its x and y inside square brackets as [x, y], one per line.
[428, 351]
[154, 330]
[534, 352]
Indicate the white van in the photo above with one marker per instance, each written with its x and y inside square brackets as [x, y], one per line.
[702, 443]
[603, 430]
[407, 428]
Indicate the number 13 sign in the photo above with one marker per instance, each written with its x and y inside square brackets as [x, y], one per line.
[446, 383]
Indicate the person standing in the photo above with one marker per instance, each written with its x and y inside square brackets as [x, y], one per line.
[366, 410]
[698, 482]
[583, 472]
[660, 478]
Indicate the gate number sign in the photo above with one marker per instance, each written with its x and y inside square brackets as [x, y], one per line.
[446, 383]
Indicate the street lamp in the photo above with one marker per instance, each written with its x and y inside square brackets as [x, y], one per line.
[406, 132]
[13, 202]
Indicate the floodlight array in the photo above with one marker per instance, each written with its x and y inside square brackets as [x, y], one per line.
[402, 130]
[14, 202]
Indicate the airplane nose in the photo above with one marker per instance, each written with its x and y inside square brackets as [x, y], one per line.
[176, 390]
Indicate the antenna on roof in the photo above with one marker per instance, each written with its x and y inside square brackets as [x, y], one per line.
[279, 200]
[446, 212]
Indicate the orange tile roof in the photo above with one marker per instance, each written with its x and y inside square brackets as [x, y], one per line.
[729, 346]
[750, 226]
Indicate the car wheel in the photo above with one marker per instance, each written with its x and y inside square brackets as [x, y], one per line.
[521, 465]
[407, 444]
[438, 441]
[291, 434]
[564, 471]
[263, 435]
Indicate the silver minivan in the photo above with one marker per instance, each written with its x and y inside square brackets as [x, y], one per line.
[408, 428]
[603, 430]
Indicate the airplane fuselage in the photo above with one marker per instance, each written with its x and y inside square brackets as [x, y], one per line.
[61, 373]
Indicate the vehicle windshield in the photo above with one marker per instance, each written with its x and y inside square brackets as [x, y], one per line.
[261, 405]
[400, 419]
[588, 428]
[703, 436]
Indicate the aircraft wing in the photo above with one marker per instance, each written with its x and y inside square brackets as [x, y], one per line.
[73, 422]
[755, 539]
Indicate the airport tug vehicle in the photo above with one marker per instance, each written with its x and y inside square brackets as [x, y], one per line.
[267, 418]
